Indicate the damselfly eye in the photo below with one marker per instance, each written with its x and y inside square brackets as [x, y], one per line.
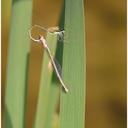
[61, 35]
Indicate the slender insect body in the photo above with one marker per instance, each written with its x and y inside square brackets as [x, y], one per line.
[53, 63]
[45, 45]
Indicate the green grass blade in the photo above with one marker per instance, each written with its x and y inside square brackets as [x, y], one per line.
[52, 103]
[17, 65]
[72, 106]
[48, 91]
[50, 122]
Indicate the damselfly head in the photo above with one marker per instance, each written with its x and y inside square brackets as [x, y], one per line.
[61, 35]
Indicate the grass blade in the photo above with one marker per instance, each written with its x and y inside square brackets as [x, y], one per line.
[72, 106]
[17, 64]
[52, 103]
[48, 91]
[54, 92]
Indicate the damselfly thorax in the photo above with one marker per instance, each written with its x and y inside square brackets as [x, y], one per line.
[52, 30]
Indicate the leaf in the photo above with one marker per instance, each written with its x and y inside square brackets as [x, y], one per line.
[48, 92]
[72, 104]
[19, 45]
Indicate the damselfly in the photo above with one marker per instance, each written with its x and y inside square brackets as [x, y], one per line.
[56, 66]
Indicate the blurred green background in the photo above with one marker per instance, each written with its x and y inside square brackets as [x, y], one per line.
[105, 22]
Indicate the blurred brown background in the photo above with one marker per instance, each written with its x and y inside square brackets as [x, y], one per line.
[105, 22]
